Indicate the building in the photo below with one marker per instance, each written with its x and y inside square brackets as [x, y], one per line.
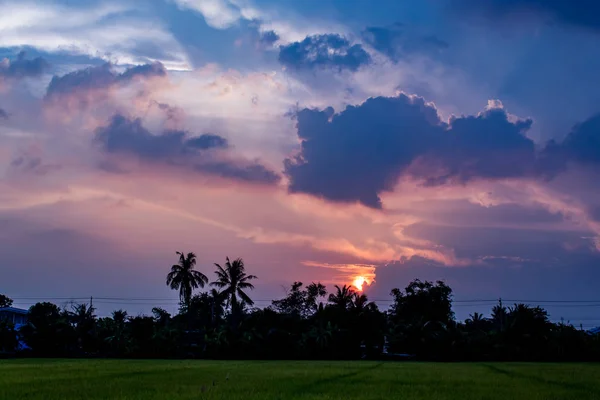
[594, 331]
[17, 316]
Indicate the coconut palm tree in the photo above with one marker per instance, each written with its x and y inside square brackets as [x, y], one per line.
[360, 303]
[343, 297]
[185, 278]
[232, 280]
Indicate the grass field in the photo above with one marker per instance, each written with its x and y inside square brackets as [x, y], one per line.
[133, 380]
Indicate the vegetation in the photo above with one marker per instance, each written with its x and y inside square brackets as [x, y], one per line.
[173, 380]
[305, 324]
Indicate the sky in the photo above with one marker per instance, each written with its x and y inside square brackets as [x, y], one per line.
[323, 140]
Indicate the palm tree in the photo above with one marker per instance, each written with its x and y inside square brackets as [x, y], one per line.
[232, 280]
[343, 296]
[185, 278]
[360, 303]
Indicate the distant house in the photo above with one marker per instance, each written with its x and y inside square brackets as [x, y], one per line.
[17, 316]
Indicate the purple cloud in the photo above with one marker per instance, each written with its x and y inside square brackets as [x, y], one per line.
[581, 13]
[22, 68]
[129, 136]
[323, 51]
[357, 154]
[395, 42]
[100, 77]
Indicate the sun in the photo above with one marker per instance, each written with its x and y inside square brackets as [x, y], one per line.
[358, 283]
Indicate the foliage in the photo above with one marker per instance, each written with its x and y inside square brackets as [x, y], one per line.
[301, 302]
[5, 301]
[233, 280]
[184, 278]
[219, 323]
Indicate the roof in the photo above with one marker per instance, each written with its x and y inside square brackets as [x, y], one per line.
[14, 310]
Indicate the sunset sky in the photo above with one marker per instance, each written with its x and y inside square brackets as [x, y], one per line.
[318, 140]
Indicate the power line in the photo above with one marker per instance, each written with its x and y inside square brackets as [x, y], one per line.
[263, 300]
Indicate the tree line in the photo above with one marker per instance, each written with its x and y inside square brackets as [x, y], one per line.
[308, 323]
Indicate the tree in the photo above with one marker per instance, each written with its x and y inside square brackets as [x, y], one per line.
[342, 298]
[49, 331]
[83, 318]
[360, 303]
[8, 337]
[423, 302]
[117, 336]
[5, 301]
[421, 319]
[184, 278]
[300, 302]
[233, 280]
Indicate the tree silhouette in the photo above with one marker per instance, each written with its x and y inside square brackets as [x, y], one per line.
[360, 303]
[5, 301]
[233, 280]
[300, 302]
[343, 296]
[83, 318]
[184, 278]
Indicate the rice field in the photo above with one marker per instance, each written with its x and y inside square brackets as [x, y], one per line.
[151, 379]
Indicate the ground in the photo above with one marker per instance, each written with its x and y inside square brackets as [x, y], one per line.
[151, 379]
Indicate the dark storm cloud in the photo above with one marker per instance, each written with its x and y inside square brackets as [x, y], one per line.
[268, 38]
[357, 154]
[207, 141]
[582, 13]
[129, 136]
[323, 51]
[484, 146]
[32, 164]
[396, 43]
[246, 173]
[3, 114]
[22, 67]
[100, 77]
[581, 147]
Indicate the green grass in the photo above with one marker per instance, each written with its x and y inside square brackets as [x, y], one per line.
[247, 380]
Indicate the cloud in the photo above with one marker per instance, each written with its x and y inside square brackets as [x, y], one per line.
[360, 152]
[174, 147]
[323, 51]
[269, 38]
[22, 68]
[396, 42]
[207, 141]
[488, 145]
[3, 114]
[100, 77]
[357, 154]
[281, 22]
[582, 144]
[218, 14]
[126, 135]
[89, 96]
[581, 13]
[96, 31]
[580, 147]
[253, 173]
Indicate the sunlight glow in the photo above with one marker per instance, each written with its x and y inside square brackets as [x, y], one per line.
[358, 283]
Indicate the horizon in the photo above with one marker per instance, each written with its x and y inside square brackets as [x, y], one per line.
[332, 141]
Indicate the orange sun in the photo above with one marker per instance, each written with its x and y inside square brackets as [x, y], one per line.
[358, 283]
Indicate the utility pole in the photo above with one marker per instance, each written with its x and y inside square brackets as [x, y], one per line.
[501, 315]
